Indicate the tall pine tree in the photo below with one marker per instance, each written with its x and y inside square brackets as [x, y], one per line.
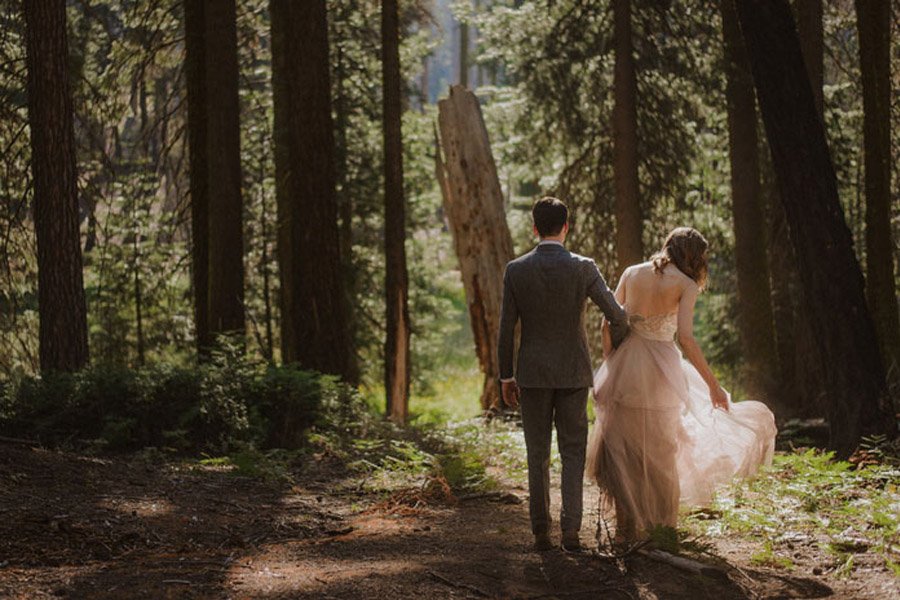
[61, 301]
[873, 23]
[629, 243]
[396, 351]
[847, 349]
[314, 325]
[754, 295]
[215, 173]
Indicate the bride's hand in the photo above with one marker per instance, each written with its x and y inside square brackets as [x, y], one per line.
[719, 397]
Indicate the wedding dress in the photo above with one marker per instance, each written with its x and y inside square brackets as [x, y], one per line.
[657, 441]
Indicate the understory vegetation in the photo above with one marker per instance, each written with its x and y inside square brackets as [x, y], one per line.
[280, 424]
[807, 498]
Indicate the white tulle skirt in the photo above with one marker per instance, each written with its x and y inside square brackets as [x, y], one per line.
[657, 443]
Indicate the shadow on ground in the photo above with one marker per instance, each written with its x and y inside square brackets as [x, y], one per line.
[79, 527]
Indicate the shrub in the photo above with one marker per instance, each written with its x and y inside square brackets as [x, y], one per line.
[211, 408]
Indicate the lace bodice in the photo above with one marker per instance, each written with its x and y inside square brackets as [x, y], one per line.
[655, 327]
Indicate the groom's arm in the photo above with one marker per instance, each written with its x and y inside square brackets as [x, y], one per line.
[509, 316]
[603, 297]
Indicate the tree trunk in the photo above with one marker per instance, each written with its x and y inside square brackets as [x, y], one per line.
[754, 294]
[787, 322]
[195, 83]
[799, 373]
[831, 278]
[873, 22]
[226, 248]
[345, 204]
[61, 302]
[464, 54]
[138, 295]
[473, 203]
[314, 330]
[811, 32]
[629, 244]
[396, 352]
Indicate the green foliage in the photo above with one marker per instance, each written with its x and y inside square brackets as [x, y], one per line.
[807, 495]
[213, 407]
[768, 558]
[247, 460]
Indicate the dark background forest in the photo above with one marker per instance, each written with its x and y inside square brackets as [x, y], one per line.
[223, 227]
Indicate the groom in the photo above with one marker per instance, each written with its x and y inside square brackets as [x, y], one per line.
[546, 290]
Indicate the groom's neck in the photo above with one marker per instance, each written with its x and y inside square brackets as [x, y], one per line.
[553, 238]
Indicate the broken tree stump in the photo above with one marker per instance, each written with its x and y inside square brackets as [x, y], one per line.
[474, 207]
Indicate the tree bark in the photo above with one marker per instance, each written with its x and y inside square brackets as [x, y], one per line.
[855, 393]
[811, 32]
[474, 206]
[314, 330]
[799, 374]
[629, 244]
[396, 352]
[754, 294]
[223, 138]
[195, 83]
[873, 22]
[345, 205]
[61, 301]
[215, 173]
[464, 54]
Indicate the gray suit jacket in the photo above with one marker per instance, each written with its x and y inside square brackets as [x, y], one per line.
[546, 290]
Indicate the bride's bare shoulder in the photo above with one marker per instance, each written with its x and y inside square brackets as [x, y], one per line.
[638, 269]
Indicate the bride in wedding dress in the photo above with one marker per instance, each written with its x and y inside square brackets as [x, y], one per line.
[666, 433]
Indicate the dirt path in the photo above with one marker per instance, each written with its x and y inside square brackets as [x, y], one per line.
[77, 527]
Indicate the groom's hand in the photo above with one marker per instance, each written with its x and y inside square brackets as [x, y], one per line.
[510, 393]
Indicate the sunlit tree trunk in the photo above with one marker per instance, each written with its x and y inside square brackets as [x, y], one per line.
[873, 22]
[396, 351]
[754, 294]
[474, 207]
[314, 331]
[854, 382]
[61, 301]
[629, 245]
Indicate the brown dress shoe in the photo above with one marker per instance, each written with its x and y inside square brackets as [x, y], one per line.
[542, 542]
[571, 542]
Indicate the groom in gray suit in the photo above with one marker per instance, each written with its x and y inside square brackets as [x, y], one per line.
[546, 291]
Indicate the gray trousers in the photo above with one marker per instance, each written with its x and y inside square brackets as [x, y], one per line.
[541, 407]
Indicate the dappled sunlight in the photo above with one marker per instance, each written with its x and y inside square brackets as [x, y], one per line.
[277, 573]
[139, 507]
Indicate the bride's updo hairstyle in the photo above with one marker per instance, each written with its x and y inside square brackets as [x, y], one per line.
[685, 248]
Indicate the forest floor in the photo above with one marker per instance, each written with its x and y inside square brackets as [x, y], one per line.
[79, 526]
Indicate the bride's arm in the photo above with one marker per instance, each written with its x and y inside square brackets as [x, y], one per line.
[605, 335]
[691, 348]
[605, 338]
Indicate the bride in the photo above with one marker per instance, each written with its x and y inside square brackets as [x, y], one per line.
[666, 433]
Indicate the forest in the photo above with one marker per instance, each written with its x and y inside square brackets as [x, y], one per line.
[252, 257]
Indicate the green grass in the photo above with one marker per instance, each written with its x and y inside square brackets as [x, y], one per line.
[455, 395]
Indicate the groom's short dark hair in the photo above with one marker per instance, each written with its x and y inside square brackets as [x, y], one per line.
[550, 215]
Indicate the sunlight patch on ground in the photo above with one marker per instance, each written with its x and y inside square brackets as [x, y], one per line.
[284, 575]
[140, 507]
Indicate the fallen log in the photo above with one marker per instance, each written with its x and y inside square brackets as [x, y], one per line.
[685, 564]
